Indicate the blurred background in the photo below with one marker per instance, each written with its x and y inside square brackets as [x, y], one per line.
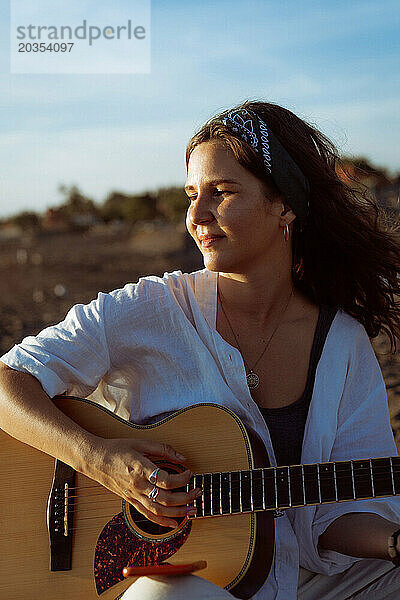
[92, 166]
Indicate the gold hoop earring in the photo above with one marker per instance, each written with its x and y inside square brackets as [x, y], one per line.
[286, 233]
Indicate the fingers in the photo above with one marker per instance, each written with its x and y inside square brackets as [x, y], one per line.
[137, 467]
[149, 448]
[166, 496]
[176, 498]
[168, 511]
[159, 512]
[170, 481]
[174, 503]
[159, 519]
[141, 471]
[145, 468]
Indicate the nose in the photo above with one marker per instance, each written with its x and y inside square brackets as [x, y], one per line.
[200, 210]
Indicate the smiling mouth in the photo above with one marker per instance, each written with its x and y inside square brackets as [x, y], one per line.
[210, 241]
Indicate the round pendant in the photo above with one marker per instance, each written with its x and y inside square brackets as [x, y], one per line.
[252, 380]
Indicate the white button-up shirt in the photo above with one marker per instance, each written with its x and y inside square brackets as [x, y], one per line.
[152, 348]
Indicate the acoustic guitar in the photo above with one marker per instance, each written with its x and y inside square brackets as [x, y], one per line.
[65, 537]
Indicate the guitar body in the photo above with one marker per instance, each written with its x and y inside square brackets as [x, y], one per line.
[106, 535]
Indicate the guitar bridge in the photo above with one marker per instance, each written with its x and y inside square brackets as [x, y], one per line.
[60, 517]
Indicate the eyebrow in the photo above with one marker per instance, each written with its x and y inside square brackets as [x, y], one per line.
[214, 182]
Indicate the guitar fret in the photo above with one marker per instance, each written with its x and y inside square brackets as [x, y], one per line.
[207, 494]
[246, 491]
[240, 491]
[216, 494]
[257, 490]
[384, 481]
[211, 496]
[199, 502]
[269, 495]
[282, 486]
[263, 489]
[274, 488]
[190, 486]
[235, 492]
[251, 491]
[295, 480]
[220, 493]
[195, 502]
[372, 478]
[362, 477]
[327, 480]
[230, 492]
[334, 478]
[319, 483]
[202, 496]
[352, 479]
[392, 475]
[224, 495]
[311, 484]
[396, 473]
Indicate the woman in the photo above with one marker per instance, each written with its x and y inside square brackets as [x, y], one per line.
[298, 270]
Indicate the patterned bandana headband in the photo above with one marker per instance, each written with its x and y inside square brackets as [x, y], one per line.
[289, 179]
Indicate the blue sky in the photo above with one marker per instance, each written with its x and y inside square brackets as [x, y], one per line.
[335, 64]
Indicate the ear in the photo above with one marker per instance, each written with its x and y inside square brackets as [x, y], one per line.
[287, 216]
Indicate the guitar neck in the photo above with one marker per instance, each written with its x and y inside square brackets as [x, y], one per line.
[275, 488]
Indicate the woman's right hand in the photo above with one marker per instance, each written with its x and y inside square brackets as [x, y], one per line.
[122, 466]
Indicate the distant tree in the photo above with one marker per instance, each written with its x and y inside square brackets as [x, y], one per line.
[172, 203]
[141, 208]
[75, 202]
[130, 208]
[113, 207]
[364, 164]
[27, 220]
[364, 167]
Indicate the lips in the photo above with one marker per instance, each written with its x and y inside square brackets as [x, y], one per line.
[209, 240]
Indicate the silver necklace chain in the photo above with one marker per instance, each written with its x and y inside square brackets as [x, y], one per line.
[252, 378]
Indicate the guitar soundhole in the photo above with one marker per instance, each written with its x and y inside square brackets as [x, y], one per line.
[141, 522]
[148, 526]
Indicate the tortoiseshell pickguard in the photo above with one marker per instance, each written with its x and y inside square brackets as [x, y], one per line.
[118, 547]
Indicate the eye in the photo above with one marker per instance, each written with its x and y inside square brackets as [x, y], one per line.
[223, 192]
[192, 198]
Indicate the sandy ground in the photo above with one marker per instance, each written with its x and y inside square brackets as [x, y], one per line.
[42, 277]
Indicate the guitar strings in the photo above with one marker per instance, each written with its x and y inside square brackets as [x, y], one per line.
[80, 505]
[324, 477]
[234, 488]
[378, 471]
[84, 529]
[146, 520]
[83, 501]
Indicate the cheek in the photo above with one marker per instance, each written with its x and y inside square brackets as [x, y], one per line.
[189, 225]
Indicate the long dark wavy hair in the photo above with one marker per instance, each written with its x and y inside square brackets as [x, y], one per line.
[349, 253]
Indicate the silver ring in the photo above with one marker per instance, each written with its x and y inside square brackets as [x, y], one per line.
[153, 494]
[153, 476]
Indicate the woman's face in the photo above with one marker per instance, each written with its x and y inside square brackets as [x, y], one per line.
[232, 220]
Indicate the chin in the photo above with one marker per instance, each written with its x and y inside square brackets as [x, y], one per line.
[217, 264]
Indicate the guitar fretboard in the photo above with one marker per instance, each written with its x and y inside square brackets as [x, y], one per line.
[293, 486]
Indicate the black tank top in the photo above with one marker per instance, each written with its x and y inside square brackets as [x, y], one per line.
[286, 424]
